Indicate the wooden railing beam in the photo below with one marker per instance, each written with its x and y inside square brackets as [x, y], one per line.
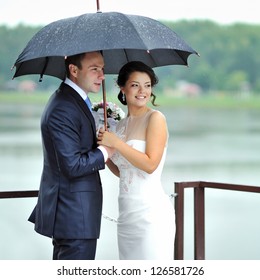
[199, 211]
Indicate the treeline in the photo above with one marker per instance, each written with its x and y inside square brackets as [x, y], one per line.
[229, 56]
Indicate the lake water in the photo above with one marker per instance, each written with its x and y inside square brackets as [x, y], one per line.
[205, 145]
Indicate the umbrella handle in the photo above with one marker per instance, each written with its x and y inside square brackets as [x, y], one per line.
[104, 103]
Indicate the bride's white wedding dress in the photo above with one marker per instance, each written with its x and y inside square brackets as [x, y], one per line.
[146, 222]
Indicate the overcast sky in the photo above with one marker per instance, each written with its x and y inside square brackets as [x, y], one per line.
[41, 12]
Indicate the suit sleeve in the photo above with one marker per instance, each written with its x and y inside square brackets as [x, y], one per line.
[76, 153]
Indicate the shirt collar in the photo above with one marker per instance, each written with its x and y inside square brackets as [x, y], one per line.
[79, 90]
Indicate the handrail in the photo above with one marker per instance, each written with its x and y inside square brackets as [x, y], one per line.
[18, 194]
[199, 213]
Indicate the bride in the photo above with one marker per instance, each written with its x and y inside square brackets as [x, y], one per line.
[146, 222]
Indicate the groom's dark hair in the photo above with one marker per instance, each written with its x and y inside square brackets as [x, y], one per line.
[75, 60]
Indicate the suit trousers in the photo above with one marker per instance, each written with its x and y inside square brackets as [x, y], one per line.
[74, 249]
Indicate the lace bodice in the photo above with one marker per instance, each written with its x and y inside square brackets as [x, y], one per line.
[132, 130]
[134, 127]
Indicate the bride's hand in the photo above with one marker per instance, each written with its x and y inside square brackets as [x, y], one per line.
[106, 138]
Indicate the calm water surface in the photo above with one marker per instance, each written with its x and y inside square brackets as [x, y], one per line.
[205, 145]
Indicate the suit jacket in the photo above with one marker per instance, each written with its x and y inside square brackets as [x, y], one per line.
[69, 204]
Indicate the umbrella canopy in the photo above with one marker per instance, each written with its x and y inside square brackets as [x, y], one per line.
[120, 37]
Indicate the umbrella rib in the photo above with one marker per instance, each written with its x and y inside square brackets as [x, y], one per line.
[126, 55]
[185, 62]
[134, 28]
[181, 57]
[17, 70]
[44, 68]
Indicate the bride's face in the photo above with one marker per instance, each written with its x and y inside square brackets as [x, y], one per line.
[137, 89]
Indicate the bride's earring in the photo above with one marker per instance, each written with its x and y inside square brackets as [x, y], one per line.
[123, 97]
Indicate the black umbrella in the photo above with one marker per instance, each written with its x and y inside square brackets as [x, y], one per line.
[120, 37]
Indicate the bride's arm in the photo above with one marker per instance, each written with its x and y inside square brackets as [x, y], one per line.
[113, 168]
[156, 137]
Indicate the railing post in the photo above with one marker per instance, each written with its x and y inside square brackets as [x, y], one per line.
[199, 220]
[179, 219]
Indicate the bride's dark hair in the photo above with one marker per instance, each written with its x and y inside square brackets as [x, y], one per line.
[127, 70]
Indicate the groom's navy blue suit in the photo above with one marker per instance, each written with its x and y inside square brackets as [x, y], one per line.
[70, 197]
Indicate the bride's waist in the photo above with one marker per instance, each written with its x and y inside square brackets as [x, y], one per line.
[133, 205]
[141, 197]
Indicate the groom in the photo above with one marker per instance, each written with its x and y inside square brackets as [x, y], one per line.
[69, 205]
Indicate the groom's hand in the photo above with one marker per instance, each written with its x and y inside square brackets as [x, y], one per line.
[110, 151]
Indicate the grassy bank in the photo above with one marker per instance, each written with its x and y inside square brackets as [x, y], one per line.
[210, 101]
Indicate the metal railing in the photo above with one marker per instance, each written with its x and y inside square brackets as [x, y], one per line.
[199, 211]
